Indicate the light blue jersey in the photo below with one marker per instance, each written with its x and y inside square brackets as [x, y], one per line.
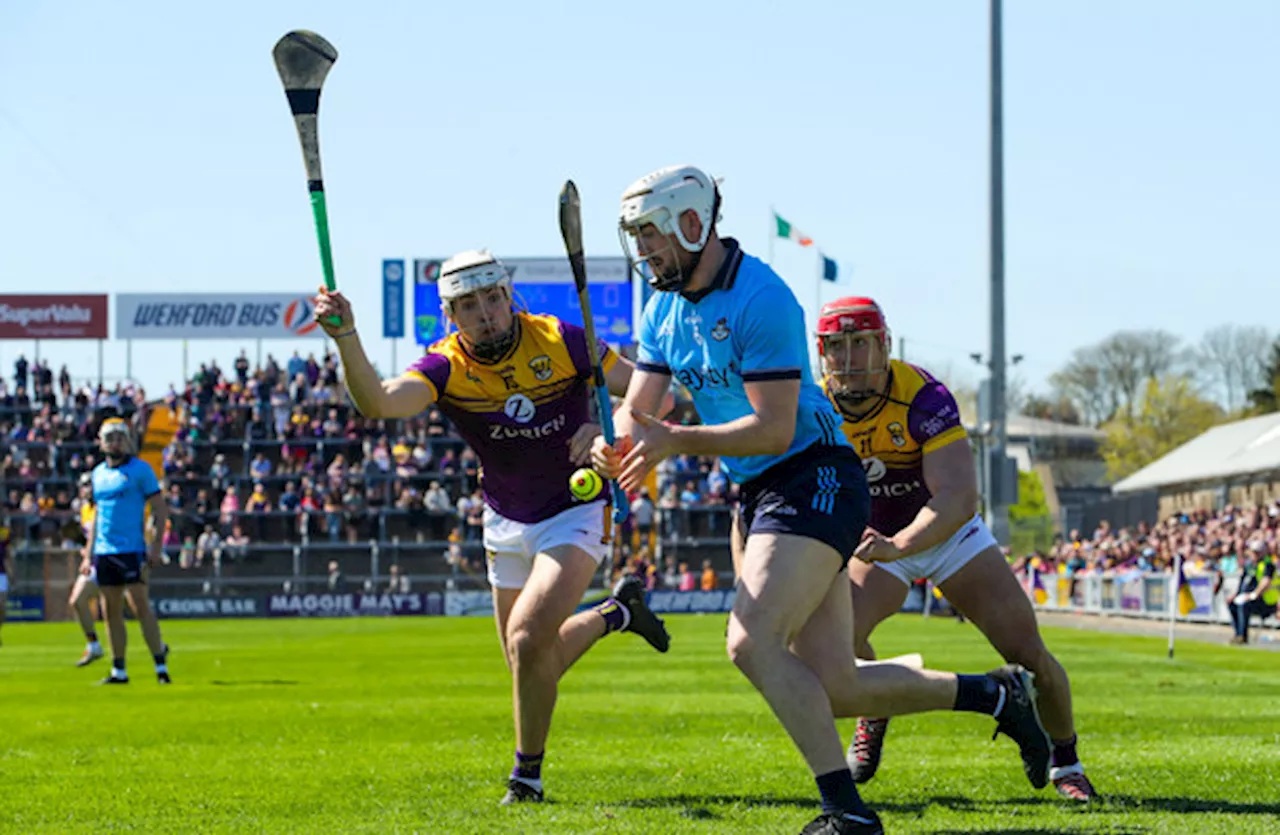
[120, 495]
[746, 327]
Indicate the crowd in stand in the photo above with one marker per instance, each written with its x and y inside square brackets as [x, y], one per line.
[1209, 542]
[276, 454]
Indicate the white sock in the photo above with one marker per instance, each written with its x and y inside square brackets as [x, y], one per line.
[1004, 694]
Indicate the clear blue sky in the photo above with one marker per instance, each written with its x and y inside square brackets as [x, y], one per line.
[148, 145]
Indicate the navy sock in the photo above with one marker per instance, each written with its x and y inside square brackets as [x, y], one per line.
[118, 664]
[91, 636]
[528, 766]
[616, 617]
[1064, 752]
[159, 659]
[840, 793]
[977, 694]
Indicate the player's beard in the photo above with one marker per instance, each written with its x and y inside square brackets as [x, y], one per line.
[859, 401]
[677, 276]
[492, 347]
[673, 277]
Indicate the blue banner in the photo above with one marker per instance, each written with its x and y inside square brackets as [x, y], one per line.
[392, 298]
[24, 607]
[548, 290]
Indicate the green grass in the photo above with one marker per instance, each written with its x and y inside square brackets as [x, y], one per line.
[404, 725]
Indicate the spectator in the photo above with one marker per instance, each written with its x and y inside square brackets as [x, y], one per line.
[242, 368]
[422, 455]
[230, 506]
[256, 429]
[474, 516]
[709, 578]
[332, 516]
[642, 514]
[688, 581]
[353, 508]
[335, 580]
[670, 576]
[174, 499]
[260, 467]
[295, 366]
[208, 546]
[236, 545]
[290, 501]
[220, 472]
[397, 583]
[258, 502]
[333, 426]
[1258, 593]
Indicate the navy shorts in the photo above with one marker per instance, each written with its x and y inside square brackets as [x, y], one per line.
[820, 493]
[120, 569]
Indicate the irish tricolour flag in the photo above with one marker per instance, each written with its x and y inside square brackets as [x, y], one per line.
[786, 230]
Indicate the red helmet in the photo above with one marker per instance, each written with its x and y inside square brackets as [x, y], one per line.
[853, 314]
[848, 322]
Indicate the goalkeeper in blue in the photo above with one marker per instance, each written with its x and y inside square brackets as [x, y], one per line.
[729, 330]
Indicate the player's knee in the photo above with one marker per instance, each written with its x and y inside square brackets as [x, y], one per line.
[1030, 652]
[741, 648]
[526, 644]
[749, 645]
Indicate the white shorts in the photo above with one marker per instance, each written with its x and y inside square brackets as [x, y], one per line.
[4, 583]
[946, 558]
[510, 546]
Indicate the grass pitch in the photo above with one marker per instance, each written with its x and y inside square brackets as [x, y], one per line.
[403, 725]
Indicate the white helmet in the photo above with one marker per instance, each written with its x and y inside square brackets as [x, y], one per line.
[467, 272]
[660, 198]
[117, 426]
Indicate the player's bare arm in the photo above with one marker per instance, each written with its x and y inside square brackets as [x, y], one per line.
[953, 483]
[768, 430]
[159, 516]
[399, 397]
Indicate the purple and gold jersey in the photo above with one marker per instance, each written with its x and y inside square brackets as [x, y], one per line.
[519, 413]
[918, 416]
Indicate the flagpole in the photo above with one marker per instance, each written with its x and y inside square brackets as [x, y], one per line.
[773, 232]
[1173, 599]
[817, 288]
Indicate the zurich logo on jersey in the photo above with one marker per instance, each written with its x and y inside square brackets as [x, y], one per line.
[299, 317]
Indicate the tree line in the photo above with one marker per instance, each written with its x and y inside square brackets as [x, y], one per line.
[1150, 392]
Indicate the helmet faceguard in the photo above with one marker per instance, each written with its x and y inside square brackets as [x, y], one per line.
[659, 200]
[116, 439]
[854, 344]
[476, 294]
